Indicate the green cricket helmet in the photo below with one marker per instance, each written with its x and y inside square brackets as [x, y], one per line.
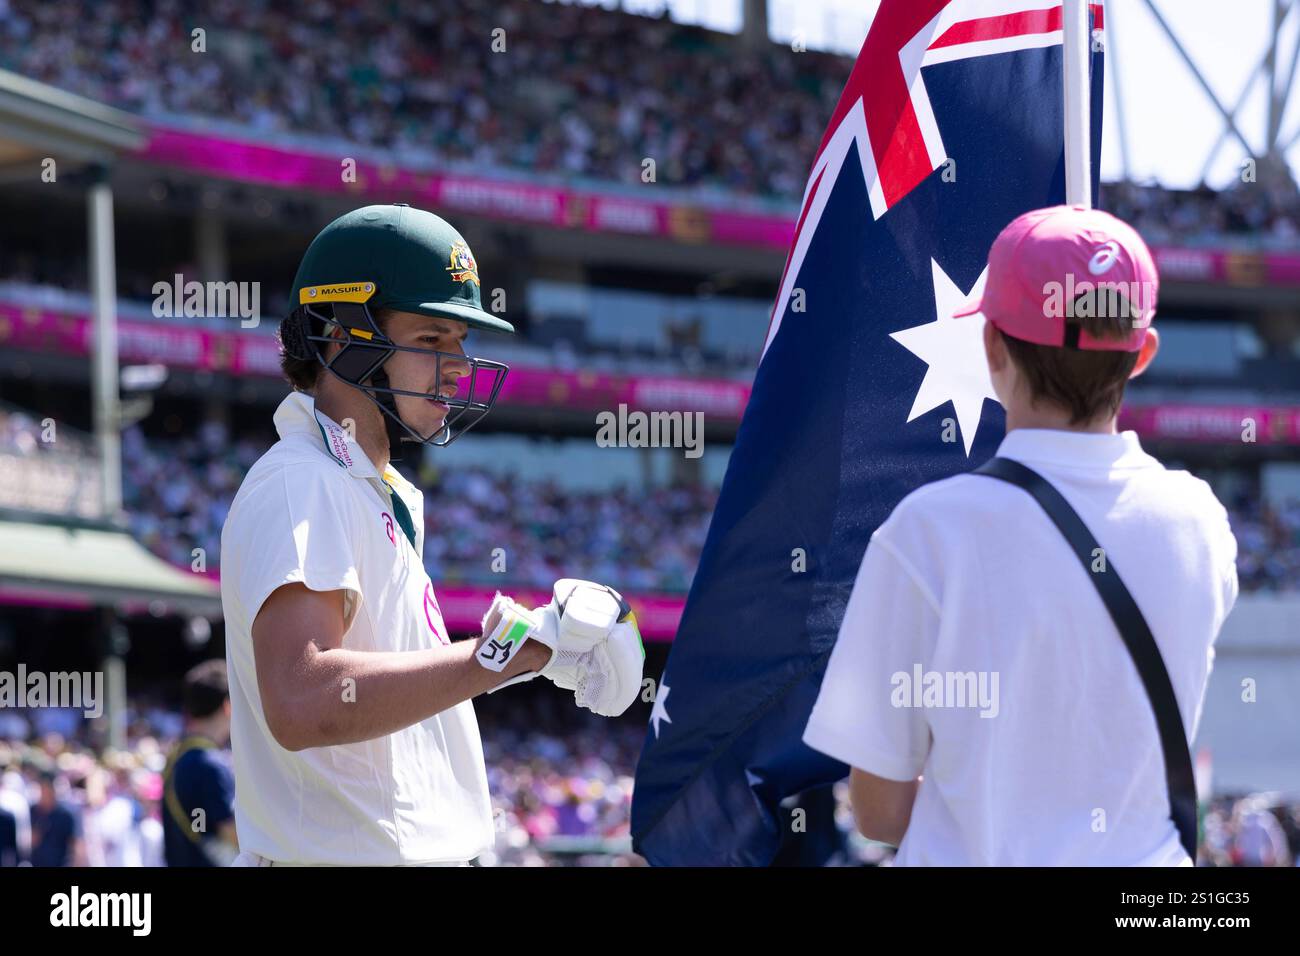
[391, 257]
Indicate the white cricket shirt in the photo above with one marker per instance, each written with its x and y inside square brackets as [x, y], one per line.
[969, 587]
[314, 510]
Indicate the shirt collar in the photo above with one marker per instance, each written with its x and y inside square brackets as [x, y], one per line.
[298, 415]
[1075, 449]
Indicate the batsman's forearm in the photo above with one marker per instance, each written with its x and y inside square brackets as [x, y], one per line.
[344, 696]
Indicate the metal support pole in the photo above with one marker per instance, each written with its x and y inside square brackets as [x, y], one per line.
[1078, 111]
[104, 362]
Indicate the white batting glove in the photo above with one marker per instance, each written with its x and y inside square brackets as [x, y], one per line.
[596, 648]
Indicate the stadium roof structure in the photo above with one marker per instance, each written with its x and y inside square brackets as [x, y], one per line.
[37, 120]
[98, 563]
[1260, 135]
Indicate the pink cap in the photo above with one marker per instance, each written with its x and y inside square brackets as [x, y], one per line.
[1051, 266]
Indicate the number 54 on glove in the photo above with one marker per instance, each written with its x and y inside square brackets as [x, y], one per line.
[596, 648]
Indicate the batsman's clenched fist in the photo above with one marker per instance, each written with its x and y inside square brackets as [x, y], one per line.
[596, 648]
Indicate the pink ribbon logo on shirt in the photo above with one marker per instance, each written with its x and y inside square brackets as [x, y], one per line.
[431, 608]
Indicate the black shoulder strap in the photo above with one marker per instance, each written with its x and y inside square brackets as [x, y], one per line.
[1132, 628]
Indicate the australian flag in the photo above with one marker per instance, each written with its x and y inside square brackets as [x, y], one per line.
[950, 126]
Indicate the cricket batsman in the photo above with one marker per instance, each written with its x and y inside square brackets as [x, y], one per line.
[352, 728]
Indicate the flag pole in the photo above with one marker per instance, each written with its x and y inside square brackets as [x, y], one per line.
[1078, 108]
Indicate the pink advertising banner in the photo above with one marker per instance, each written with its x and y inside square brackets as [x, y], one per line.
[492, 198]
[462, 605]
[248, 353]
[565, 207]
[1214, 423]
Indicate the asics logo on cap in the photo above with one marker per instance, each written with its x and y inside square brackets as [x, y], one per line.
[1104, 258]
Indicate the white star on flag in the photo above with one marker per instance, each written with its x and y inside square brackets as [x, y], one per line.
[954, 351]
[659, 711]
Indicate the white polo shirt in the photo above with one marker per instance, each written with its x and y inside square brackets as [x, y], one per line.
[314, 510]
[1039, 746]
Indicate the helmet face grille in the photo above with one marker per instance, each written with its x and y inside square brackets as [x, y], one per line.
[360, 363]
[485, 380]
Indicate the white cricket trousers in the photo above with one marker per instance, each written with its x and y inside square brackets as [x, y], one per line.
[249, 858]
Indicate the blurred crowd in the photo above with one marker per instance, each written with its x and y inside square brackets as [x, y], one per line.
[20, 433]
[561, 782]
[543, 88]
[177, 493]
[63, 804]
[647, 539]
[1268, 544]
[29, 277]
[1250, 830]
[561, 792]
[1264, 210]
[547, 88]
[561, 787]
